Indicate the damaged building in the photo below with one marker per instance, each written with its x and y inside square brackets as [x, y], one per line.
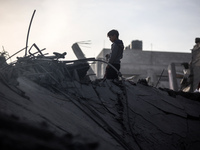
[50, 103]
[153, 65]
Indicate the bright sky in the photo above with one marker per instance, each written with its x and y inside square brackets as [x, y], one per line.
[163, 25]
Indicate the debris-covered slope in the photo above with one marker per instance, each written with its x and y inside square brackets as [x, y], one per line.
[115, 114]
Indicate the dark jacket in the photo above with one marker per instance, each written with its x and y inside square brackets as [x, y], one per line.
[116, 54]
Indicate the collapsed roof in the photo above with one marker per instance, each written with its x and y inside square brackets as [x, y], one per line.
[116, 114]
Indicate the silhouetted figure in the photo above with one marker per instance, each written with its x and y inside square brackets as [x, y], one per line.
[115, 56]
[197, 45]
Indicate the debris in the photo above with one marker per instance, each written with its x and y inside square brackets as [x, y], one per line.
[115, 114]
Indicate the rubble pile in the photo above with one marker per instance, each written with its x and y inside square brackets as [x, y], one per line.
[48, 71]
[116, 114]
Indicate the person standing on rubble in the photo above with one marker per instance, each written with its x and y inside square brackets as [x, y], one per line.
[115, 56]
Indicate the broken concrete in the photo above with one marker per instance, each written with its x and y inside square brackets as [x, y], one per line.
[118, 114]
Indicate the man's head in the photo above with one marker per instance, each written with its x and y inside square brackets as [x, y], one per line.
[197, 40]
[113, 35]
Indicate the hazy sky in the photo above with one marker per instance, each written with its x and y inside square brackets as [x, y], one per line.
[163, 25]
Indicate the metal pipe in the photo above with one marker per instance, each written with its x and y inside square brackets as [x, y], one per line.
[160, 77]
[15, 53]
[29, 31]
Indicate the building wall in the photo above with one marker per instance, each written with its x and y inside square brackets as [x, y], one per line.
[140, 61]
[143, 64]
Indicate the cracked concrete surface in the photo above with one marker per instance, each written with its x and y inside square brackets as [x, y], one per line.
[118, 115]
